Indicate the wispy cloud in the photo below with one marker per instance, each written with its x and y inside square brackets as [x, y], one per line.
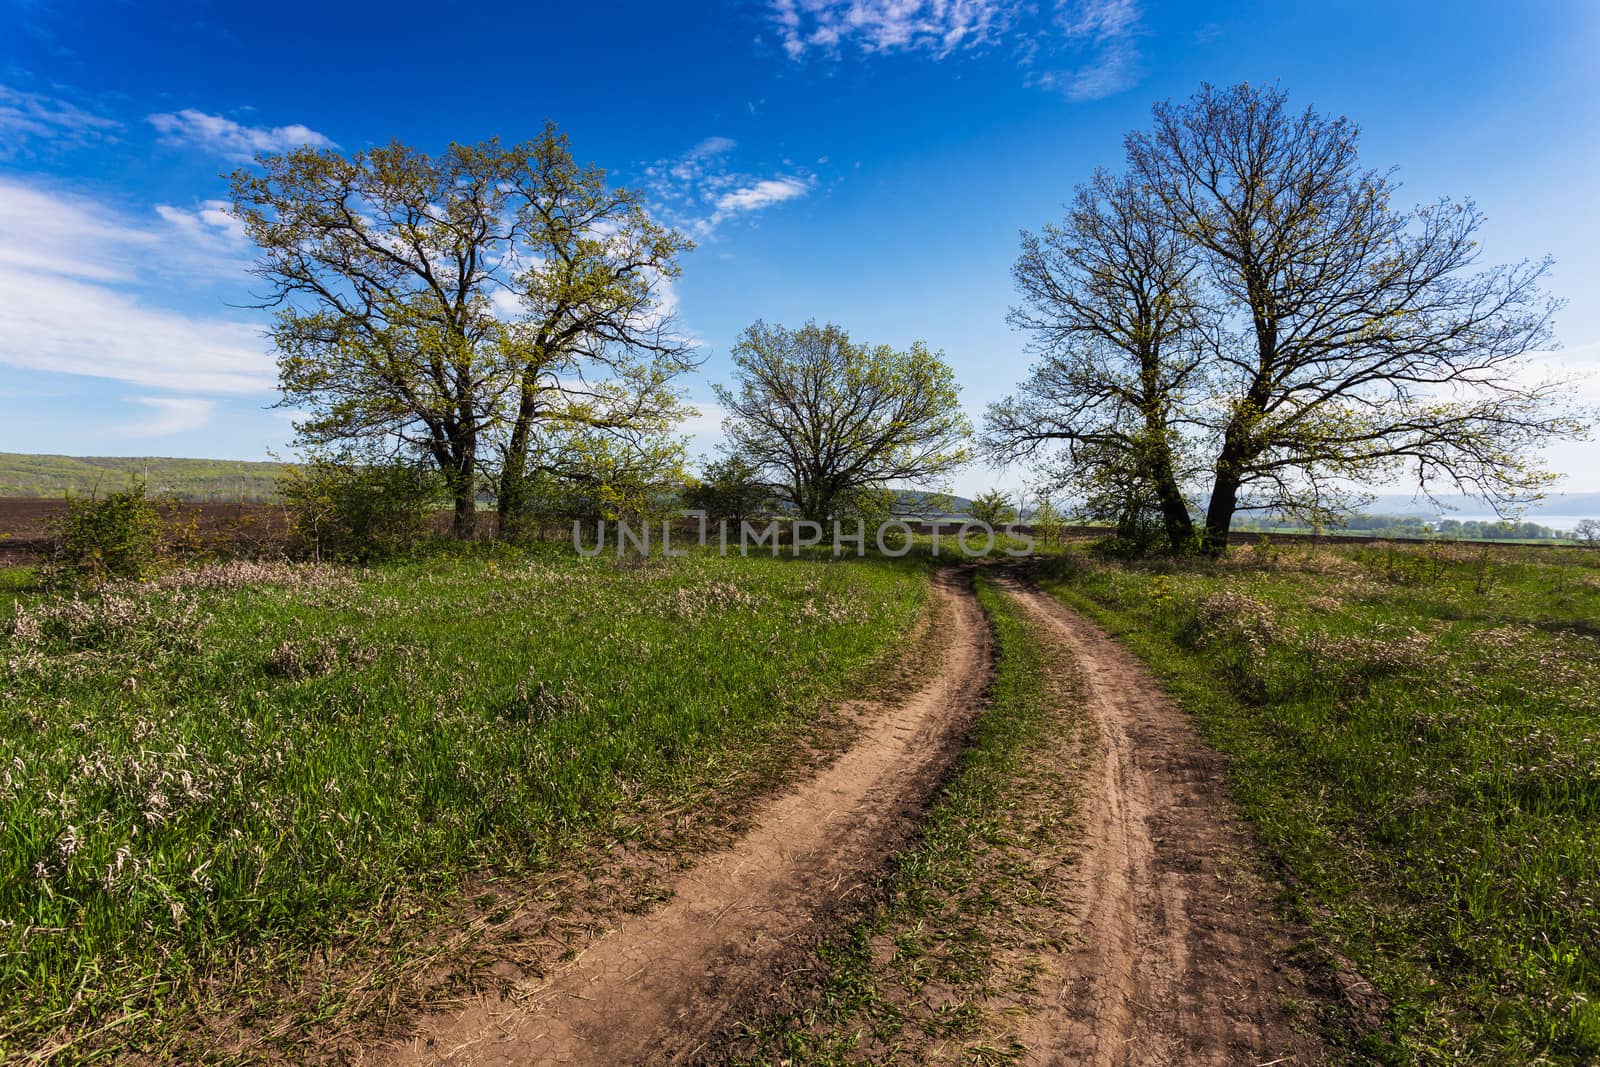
[28, 118]
[703, 188]
[72, 271]
[207, 221]
[1085, 49]
[760, 195]
[1109, 29]
[876, 26]
[232, 140]
[169, 415]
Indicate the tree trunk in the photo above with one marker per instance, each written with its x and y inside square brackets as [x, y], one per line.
[1175, 516]
[1219, 513]
[513, 496]
[458, 464]
[465, 526]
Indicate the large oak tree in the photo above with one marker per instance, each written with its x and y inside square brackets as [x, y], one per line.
[457, 305]
[1349, 340]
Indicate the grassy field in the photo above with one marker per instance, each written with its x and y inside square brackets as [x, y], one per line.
[954, 943]
[218, 480]
[211, 783]
[1415, 733]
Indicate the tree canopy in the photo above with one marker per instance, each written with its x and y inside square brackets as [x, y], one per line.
[1296, 332]
[453, 304]
[831, 422]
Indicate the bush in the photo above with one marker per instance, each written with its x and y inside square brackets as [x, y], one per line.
[104, 538]
[340, 509]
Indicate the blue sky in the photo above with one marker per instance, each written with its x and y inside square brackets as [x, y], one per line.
[867, 162]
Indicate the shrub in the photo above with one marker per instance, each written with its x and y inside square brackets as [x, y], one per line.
[993, 508]
[104, 538]
[340, 509]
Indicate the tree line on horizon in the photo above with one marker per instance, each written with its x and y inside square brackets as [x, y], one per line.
[1241, 317]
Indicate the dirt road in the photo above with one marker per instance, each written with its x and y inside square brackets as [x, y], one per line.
[656, 989]
[1177, 958]
[1174, 956]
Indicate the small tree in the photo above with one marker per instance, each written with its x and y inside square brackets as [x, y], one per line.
[591, 474]
[1047, 521]
[993, 508]
[730, 491]
[825, 419]
[103, 538]
[1587, 533]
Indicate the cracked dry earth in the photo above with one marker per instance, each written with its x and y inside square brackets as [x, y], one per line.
[656, 988]
[1175, 956]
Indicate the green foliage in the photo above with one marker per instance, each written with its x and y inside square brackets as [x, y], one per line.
[994, 508]
[1412, 730]
[825, 419]
[730, 490]
[349, 509]
[264, 779]
[117, 536]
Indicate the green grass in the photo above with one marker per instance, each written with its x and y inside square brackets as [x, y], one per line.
[209, 783]
[1415, 732]
[223, 480]
[956, 937]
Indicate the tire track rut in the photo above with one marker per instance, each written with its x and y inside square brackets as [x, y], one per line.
[659, 987]
[1178, 959]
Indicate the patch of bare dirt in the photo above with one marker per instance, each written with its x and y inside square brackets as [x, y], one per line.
[1177, 956]
[658, 988]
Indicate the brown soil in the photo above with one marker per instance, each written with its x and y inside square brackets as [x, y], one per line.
[659, 988]
[1177, 958]
[228, 528]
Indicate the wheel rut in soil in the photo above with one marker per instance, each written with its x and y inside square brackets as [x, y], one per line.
[659, 987]
[1178, 958]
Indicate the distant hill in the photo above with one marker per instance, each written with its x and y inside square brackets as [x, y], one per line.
[1553, 504]
[205, 480]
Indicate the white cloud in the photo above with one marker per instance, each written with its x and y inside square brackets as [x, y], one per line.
[209, 221]
[230, 139]
[713, 146]
[1114, 68]
[704, 428]
[71, 327]
[1088, 45]
[761, 194]
[1109, 28]
[878, 26]
[26, 117]
[701, 189]
[169, 415]
[71, 268]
